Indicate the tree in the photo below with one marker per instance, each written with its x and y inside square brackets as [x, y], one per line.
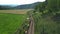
[40, 7]
[53, 5]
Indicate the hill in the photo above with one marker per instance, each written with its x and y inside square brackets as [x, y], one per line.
[27, 6]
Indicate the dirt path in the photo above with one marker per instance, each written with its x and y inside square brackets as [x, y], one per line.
[31, 27]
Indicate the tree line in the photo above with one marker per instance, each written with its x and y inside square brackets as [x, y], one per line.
[49, 6]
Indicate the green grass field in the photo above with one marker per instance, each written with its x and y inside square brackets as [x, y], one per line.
[9, 23]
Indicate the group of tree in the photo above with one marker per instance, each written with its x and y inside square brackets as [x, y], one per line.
[52, 6]
[48, 9]
[3, 7]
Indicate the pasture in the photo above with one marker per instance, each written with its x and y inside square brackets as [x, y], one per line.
[11, 20]
[24, 11]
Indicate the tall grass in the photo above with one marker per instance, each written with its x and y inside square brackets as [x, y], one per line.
[45, 24]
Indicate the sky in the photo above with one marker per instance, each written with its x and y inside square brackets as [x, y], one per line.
[18, 2]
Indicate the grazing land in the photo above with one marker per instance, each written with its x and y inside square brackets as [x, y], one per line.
[11, 20]
[22, 11]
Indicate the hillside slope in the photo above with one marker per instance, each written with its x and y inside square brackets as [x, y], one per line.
[27, 6]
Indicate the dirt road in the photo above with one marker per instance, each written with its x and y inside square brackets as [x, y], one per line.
[31, 26]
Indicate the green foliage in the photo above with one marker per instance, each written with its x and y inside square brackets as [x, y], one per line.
[41, 7]
[44, 19]
[53, 5]
[46, 25]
